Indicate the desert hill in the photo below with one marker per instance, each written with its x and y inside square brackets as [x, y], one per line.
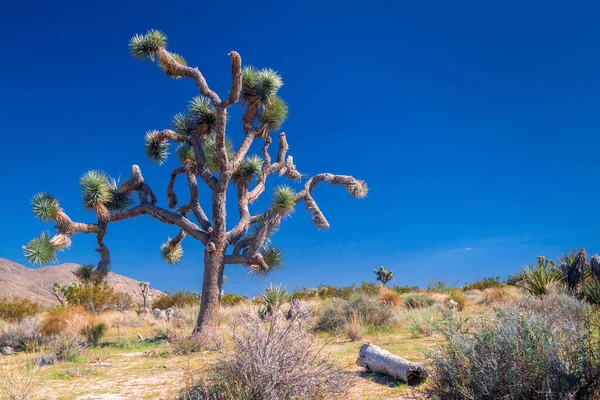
[18, 280]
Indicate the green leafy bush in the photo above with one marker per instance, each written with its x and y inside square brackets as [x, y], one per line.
[230, 299]
[417, 300]
[176, 299]
[94, 297]
[437, 286]
[484, 283]
[336, 314]
[15, 309]
[546, 347]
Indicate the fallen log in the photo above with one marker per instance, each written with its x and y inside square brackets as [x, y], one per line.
[376, 359]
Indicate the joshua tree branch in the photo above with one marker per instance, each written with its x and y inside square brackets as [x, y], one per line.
[194, 201]
[178, 69]
[170, 191]
[236, 79]
[197, 141]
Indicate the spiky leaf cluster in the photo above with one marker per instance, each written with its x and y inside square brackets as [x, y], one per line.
[171, 254]
[182, 124]
[39, 250]
[210, 152]
[45, 206]
[284, 200]
[273, 257]
[185, 153]
[88, 273]
[156, 150]
[359, 189]
[249, 169]
[178, 58]
[274, 297]
[259, 85]
[274, 112]
[142, 47]
[95, 189]
[201, 111]
[118, 200]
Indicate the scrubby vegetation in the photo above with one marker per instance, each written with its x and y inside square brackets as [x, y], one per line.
[539, 339]
[176, 299]
[542, 348]
[15, 309]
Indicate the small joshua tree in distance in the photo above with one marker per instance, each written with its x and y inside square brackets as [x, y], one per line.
[383, 275]
[204, 151]
[144, 288]
[60, 292]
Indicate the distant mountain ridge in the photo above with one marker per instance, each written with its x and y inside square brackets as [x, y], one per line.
[36, 283]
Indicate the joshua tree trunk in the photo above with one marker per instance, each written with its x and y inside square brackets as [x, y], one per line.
[204, 153]
[208, 317]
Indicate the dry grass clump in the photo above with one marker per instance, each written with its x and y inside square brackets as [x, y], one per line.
[417, 300]
[274, 359]
[69, 321]
[354, 330]
[390, 297]
[20, 383]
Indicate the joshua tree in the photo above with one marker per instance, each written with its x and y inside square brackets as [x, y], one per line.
[144, 288]
[205, 151]
[383, 275]
[575, 272]
[60, 292]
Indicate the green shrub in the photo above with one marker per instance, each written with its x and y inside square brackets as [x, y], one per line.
[404, 289]
[543, 348]
[230, 299]
[417, 300]
[94, 332]
[484, 283]
[94, 297]
[437, 286]
[336, 314]
[15, 309]
[176, 299]
[459, 297]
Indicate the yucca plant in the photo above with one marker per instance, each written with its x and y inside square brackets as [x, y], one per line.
[273, 298]
[537, 278]
[94, 333]
[207, 155]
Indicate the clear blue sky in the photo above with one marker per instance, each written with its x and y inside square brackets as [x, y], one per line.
[475, 124]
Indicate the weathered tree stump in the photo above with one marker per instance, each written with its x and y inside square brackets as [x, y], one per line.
[376, 359]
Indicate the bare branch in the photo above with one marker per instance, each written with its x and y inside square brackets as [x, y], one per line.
[197, 141]
[170, 191]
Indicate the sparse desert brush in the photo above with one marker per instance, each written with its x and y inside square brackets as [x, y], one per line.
[20, 382]
[275, 359]
[65, 347]
[484, 283]
[500, 294]
[177, 299]
[21, 335]
[390, 297]
[417, 300]
[544, 347]
[459, 297]
[15, 309]
[231, 299]
[424, 322]
[69, 320]
[336, 313]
